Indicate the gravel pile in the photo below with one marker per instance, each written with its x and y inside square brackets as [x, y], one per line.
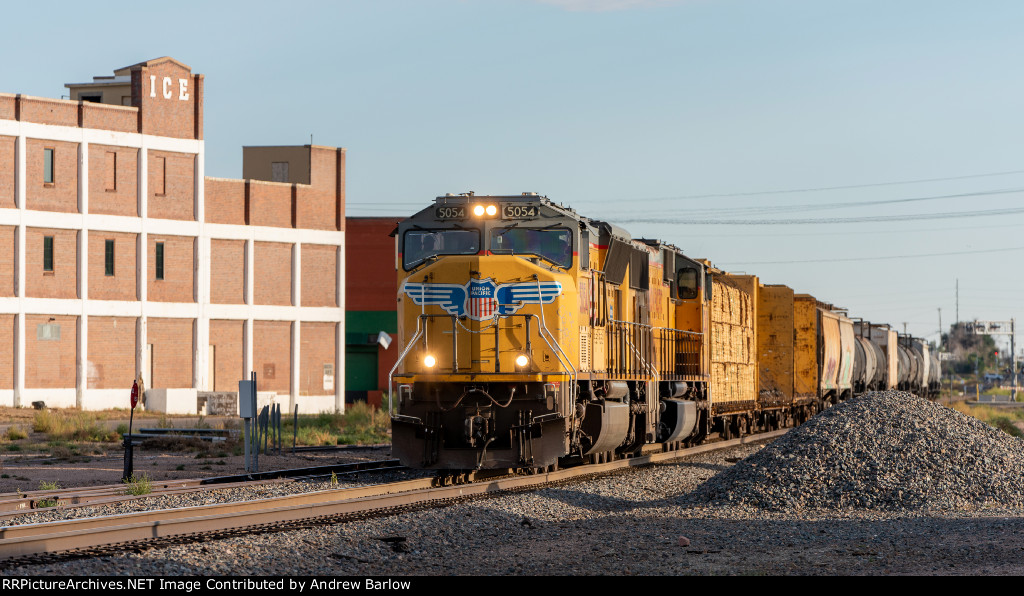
[887, 451]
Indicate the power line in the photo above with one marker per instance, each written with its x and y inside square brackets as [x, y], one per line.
[828, 220]
[886, 258]
[821, 188]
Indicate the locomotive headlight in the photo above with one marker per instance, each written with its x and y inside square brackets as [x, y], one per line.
[429, 361]
[522, 360]
[491, 210]
[478, 210]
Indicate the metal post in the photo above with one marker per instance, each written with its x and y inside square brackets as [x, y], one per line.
[295, 428]
[1013, 357]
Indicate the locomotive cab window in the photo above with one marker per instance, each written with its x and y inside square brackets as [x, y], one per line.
[553, 245]
[420, 245]
[687, 281]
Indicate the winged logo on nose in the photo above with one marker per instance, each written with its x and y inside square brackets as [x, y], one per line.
[482, 299]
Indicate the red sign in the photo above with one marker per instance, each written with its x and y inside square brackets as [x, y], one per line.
[135, 394]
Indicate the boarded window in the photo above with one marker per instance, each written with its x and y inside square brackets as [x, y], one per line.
[159, 176]
[48, 332]
[279, 171]
[108, 257]
[48, 165]
[110, 170]
[47, 253]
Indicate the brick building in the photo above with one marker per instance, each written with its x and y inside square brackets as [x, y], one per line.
[120, 257]
[371, 307]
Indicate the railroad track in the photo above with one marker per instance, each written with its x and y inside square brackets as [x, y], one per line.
[14, 504]
[102, 535]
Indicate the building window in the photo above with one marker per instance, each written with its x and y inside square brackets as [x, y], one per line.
[93, 98]
[48, 253]
[108, 263]
[159, 176]
[159, 260]
[110, 170]
[48, 165]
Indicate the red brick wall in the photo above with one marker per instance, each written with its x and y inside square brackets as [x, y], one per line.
[272, 355]
[124, 179]
[51, 364]
[318, 342]
[270, 204]
[62, 282]
[225, 201]
[7, 171]
[317, 205]
[49, 111]
[227, 271]
[272, 283]
[175, 176]
[111, 363]
[227, 338]
[178, 284]
[121, 285]
[108, 117]
[6, 351]
[7, 251]
[172, 352]
[166, 116]
[7, 106]
[62, 195]
[371, 282]
[319, 275]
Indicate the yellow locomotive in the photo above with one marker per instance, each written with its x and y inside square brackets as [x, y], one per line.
[531, 335]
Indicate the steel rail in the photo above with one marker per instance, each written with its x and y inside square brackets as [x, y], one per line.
[26, 541]
[13, 504]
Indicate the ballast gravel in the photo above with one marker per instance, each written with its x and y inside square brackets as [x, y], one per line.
[886, 483]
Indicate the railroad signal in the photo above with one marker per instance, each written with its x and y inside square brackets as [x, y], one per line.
[135, 394]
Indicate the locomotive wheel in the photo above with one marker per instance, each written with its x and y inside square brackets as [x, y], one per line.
[726, 429]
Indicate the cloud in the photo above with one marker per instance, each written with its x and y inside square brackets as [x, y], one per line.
[607, 5]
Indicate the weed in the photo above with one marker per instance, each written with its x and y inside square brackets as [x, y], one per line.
[43, 503]
[12, 447]
[138, 485]
[44, 485]
[5, 476]
[122, 429]
[72, 426]
[15, 433]
[221, 463]
[334, 479]
[180, 467]
[164, 422]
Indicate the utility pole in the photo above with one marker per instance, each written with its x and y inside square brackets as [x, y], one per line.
[958, 300]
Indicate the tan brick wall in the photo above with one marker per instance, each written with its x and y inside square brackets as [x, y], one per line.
[318, 343]
[62, 195]
[51, 364]
[270, 204]
[113, 183]
[272, 282]
[227, 271]
[7, 171]
[171, 185]
[319, 275]
[121, 285]
[7, 251]
[227, 338]
[272, 355]
[225, 201]
[6, 351]
[111, 352]
[62, 282]
[178, 284]
[172, 352]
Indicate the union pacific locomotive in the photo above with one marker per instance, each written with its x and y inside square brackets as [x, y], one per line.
[530, 335]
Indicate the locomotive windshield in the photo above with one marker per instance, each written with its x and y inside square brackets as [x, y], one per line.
[420, 245]
[551, 245]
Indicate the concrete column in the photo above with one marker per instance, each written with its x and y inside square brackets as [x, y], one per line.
[20, 158]
[82, 382]
[142, 268]
[339, 338]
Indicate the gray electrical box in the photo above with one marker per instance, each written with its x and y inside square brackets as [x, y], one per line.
[246, 399]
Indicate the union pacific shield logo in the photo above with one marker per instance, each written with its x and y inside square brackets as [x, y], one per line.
[481, 299]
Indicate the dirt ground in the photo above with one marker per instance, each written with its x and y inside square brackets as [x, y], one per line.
[103, 463]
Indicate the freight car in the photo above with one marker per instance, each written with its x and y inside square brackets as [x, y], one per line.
[533, 336]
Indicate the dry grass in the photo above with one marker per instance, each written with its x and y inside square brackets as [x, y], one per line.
[72, 426]
[1004, 419]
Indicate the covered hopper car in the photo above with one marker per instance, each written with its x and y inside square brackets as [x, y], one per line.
[532, 336]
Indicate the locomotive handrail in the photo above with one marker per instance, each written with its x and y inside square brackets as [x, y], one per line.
[667, 361]
[401, 357]
[651, 370]
[558, 349]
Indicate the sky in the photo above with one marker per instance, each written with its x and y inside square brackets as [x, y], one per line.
[865, 152]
